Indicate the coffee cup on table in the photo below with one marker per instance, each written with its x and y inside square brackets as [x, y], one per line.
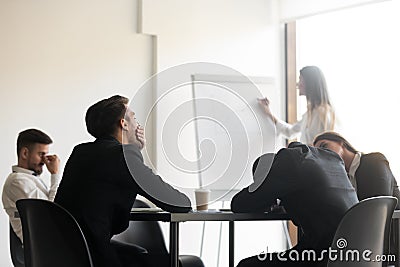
[202, 198]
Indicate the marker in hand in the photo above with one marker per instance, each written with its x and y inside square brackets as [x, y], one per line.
[263, 101]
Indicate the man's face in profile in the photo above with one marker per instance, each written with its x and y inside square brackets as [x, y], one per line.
[129, 133]
[34, 157]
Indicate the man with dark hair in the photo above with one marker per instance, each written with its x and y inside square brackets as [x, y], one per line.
[102, 178]
[25, 181]
[313, 187]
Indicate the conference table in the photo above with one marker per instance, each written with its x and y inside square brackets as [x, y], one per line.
[221, 215]
[213, 215]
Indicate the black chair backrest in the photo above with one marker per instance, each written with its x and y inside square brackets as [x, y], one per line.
[365, 227]
[16, 249]
[147, 234]
[52, 237]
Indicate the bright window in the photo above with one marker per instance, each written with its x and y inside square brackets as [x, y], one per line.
[358, 50]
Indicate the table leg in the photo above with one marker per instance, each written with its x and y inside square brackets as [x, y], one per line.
[231, 243]
[395, 236]
[174, 243]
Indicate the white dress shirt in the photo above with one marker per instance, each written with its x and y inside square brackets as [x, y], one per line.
[308, 127]
[353, 168]
[21, 183]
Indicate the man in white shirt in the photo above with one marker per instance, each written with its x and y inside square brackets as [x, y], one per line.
[25, 181]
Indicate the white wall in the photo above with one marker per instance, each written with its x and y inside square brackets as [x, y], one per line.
[294, 9]
[239, 34]
[57, 58]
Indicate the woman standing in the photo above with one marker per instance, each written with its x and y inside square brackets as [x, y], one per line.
[320, 116]
[369, 174]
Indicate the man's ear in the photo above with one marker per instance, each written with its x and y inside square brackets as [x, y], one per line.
[124, 124]
[24, 152]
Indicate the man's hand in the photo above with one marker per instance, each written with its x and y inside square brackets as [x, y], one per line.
[140, 137]
[52, 163]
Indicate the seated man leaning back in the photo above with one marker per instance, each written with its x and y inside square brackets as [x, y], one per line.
[102, 179]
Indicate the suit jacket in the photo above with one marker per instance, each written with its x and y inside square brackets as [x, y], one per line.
[98, 188]
[313, 187]
[374, 178]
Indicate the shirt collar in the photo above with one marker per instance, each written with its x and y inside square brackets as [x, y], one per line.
[353, 168]
[107, 138]
[18, 169]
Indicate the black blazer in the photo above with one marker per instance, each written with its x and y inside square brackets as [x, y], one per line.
[313, 187]
[99, 188]
[374, 178]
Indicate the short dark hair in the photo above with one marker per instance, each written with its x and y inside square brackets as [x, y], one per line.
[335, 137]
[102, 118]
[29, 137]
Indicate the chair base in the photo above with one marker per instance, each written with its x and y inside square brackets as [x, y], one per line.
[191, 261]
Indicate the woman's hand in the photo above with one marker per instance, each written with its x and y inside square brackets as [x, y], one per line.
[264, 103]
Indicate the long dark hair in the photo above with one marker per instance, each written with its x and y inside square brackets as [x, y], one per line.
[335, 137]
[315, 86]
[317, 96]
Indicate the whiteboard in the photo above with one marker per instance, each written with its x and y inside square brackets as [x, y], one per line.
[231, 129]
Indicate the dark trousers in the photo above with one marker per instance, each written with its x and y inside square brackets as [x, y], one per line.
[135, 256]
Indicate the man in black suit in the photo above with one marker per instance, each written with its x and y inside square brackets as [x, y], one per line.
[314, 190]
[102, 178]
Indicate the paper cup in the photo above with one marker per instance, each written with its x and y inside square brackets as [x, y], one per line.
[202, 198]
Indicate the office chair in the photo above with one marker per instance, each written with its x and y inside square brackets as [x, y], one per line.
[148, 234]
[365, 227]
[16, 249]
[52, 237]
